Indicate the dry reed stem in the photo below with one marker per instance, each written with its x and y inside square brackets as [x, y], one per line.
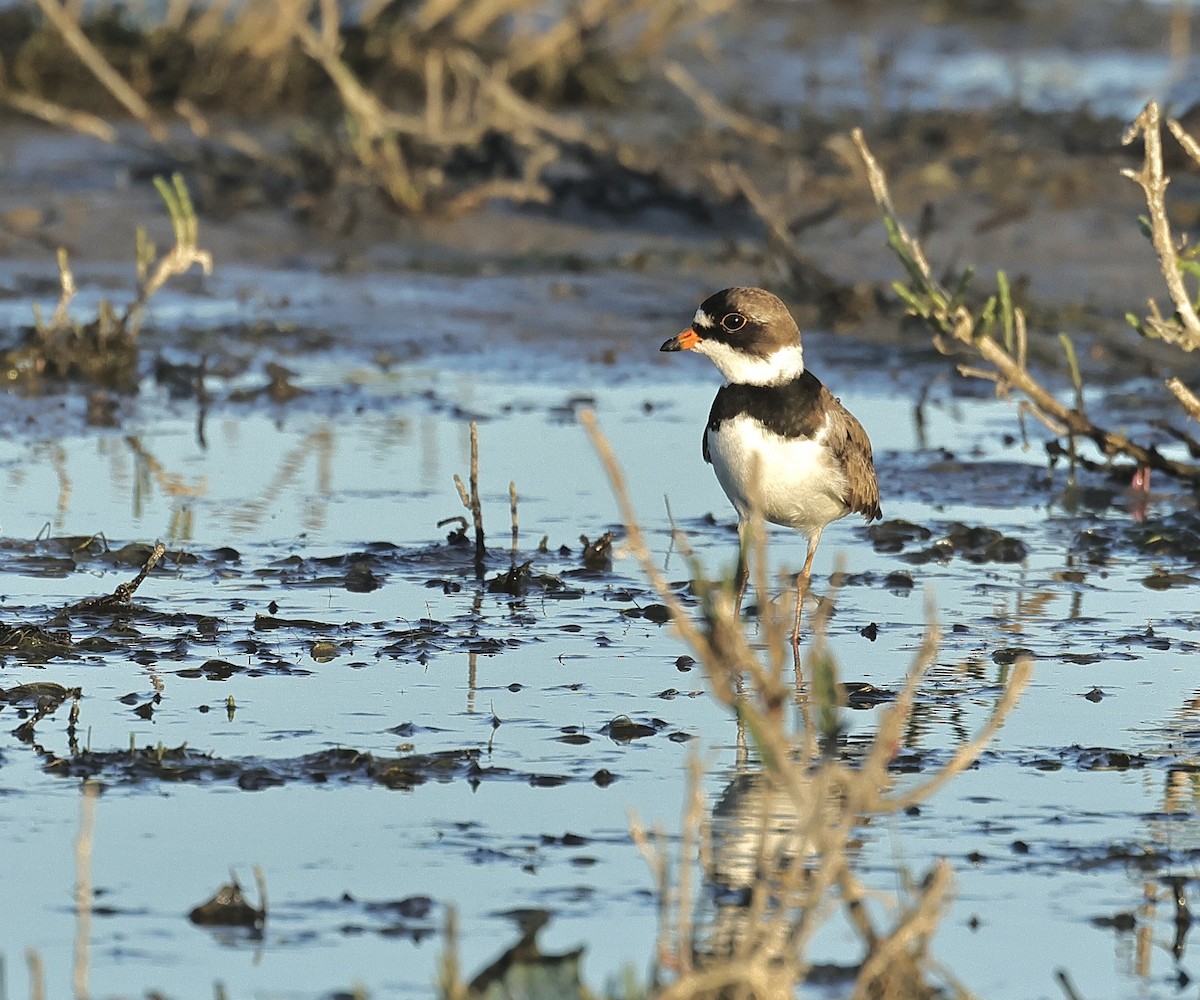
[260, 880]
[804, 270]
[1185, 331]
[431, 12]
[959, 324]
[37, 974]
[475, 17]
[968, 752]
[688, 848]
[450, 984]
[483, 100]
[658, 862]
[663, 21]
[83, 889]
[767, 680]
[62, 312]
[67, 25]
[471, 500]
[493, 82]
[562, 41]
[891, 725]
[907, 936]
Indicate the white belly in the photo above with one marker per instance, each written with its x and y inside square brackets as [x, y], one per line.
[799, 485]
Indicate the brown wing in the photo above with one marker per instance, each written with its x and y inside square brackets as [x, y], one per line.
[852, 448]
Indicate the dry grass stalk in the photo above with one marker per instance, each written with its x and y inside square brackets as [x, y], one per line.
[37, 974]
[824, 801]
[952, 320]
[83, 889]
[449, 980]
[66, 279]
[484, 100]
[122, 595]
[471, 500]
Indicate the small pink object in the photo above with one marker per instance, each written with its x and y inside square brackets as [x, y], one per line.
[1139, 486]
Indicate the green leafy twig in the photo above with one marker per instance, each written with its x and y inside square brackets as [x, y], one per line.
[951, 319]
[176, 261]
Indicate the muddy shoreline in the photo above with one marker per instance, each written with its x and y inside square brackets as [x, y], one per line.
[993, 194]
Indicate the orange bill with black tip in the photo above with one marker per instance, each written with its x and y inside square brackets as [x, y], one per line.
[684, 342]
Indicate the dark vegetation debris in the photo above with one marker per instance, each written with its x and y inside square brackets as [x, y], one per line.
[861, 694]
[228, 907]
[342, 766]
[624, 729]
[597, 555]
[979, 544]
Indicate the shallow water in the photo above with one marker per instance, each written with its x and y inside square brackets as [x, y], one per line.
[275, 503]
[1020, 56]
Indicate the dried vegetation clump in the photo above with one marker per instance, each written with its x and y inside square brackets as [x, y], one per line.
[438, 105]
[103, 350]
[783, 866]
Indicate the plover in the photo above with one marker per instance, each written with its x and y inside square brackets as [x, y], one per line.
[774, 419]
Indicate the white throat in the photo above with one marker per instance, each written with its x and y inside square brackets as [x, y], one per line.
[740, 368]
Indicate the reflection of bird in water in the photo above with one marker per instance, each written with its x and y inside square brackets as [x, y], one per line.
[759, 840]
[776, 437]
[525, 970]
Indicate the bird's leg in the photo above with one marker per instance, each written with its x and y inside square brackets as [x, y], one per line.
[743, 565]
[803, 578]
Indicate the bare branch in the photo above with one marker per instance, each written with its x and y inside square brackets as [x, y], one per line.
[1184, 330]
[1188, 399]
[62, 117]
[1189, 144]
[714, 111]
[110, 79]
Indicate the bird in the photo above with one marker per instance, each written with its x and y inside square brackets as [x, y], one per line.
[775, 422]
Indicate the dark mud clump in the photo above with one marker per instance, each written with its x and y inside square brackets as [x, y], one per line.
[978, 544]
[229, 907]
[342, 766]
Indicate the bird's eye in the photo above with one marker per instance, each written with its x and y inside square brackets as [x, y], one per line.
[733, 322]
